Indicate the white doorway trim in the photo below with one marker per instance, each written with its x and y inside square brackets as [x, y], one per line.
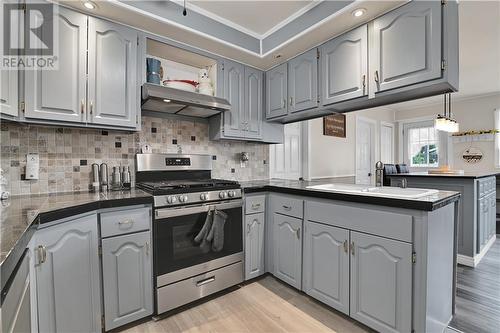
[286, 160]
[393, 140]
[373, 144]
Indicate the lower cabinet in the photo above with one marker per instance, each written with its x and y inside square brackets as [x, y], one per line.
[254, 245]
[127, 278]
[381, 269]
[287, 241]
[67, 276]
[326, 265]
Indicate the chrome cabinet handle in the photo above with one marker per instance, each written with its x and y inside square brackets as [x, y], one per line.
[91, 107]
[256, 206]
[147, 248]
[376, 77]
[284, 103]
[297, 233]
[42, 254]
[287, 207]
[291, 101]
[352, 247]
[82, 106]
[346, 246]
[364, 83]
[126, 222]
[248, 229]
[202, 282]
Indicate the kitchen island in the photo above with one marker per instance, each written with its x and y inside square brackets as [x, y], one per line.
[477, 211]
[386, 261]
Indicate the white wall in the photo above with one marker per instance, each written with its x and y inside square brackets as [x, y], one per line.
[472, 114]
[336, 157]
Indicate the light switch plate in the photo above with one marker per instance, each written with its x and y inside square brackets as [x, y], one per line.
[32, 166]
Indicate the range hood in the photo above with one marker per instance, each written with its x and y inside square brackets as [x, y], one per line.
[174, 101]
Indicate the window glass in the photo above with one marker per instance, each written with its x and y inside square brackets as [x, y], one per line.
[423, 147]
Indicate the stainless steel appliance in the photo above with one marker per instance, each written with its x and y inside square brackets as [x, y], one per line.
[185, 198]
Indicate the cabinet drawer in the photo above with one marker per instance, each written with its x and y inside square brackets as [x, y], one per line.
[287, 206]
[255, 204]
[125, 221]
[486, 186]
[381, 223]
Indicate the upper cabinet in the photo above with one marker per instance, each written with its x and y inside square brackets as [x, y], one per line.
[276, 92]
[344, 67]
[252, 114]
[112, 79]
[407, 45]
[234, 92]
[9, 101]
[303, 81]
[60, 95]
[95, 83]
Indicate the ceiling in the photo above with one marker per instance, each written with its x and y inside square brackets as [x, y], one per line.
[255, 17]
[479, 54]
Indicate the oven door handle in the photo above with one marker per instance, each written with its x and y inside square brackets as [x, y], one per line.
[180, 211]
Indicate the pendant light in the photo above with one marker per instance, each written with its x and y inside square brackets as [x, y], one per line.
[184, 11]
[446, 122]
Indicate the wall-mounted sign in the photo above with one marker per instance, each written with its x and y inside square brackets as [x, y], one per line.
[334, 125]
[472, 155]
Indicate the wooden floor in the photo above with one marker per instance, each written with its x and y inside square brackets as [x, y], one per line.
[268, 305]
[262, 306]
[478, 295]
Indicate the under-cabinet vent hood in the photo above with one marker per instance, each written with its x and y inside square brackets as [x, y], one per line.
[174, 101]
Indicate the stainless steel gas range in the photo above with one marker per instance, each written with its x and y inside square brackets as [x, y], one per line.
[197, 227]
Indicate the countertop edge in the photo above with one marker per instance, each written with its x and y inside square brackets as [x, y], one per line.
[494, 174]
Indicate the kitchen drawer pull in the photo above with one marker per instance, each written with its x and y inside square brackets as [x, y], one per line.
[42, 254]
[287, 207]
[126, 222]
[352, 247]
[346, 246]
[206, 281]
[256, 206]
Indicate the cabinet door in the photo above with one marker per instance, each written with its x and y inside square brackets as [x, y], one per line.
[67, 277]
[234, 90]
[344, 66]
[113, 87]
[326, 265]
[9, 101]
[59, 95]
[407, 45]
[288, 249]
[482, 221]
[303, 81]
[254, 245]
[127, 278]
[276, 92]
[381, 269]
[253, 103]
[493, 214]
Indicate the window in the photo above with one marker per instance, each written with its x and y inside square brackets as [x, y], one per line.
[423, 147]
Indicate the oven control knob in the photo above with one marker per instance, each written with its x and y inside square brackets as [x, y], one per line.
[183, 198]
[231, 194]
[222, 195]
[203, 196]
[171, 199]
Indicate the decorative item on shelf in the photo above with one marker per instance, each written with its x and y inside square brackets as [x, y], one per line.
[205, 85]
[334, 125]
[445, 122]
[154, 70]
[186, 85]
[472, 155]
[475, 135]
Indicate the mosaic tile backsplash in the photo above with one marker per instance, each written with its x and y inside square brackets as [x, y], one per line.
[66, 154]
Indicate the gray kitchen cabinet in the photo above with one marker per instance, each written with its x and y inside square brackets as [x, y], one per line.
[326, 265]
[127, 278]
[406, 46]
[60, 95]
[486, 219]
[344, 67]
[287, 239]
[254, 245]
[16, 303]
[67, 276]
[234, 92]
[112, 74]
[276, 91]
[9, 93]
[252, 113]
[303, 82]
[381, 269]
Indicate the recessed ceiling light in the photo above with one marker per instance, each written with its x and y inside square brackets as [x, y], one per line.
[166, 100]
[89, 5]
[359, 12]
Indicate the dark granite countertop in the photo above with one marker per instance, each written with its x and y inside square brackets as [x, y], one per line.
[426, 203]
[472, 175]
[20, 216]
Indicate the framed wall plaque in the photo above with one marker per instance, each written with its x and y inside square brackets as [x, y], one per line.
[334, 125]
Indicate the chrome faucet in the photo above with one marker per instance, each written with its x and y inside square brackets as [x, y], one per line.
[379, 174]
[404, 183]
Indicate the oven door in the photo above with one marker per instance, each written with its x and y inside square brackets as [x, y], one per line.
[178, 255]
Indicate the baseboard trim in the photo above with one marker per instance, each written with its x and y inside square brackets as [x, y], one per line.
[472, 262]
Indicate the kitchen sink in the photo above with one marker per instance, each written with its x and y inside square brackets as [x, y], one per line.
[391, 192]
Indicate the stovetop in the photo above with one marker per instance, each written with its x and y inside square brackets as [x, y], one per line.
[161, 187]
